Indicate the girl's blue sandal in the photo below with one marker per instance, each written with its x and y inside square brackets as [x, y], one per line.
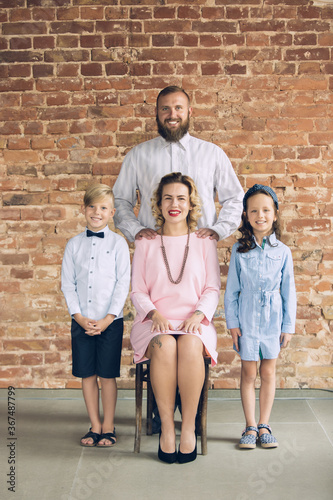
[267, 440]
[249, 441]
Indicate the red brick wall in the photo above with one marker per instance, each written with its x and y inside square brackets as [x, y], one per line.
[78, 82]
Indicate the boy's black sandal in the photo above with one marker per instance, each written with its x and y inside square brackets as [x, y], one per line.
[110, 436]
[94, 436]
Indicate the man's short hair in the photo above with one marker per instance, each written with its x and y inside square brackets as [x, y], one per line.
[172, 89]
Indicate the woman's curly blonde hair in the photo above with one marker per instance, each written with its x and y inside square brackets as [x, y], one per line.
[177, 177]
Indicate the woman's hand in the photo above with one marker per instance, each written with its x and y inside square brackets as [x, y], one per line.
[235, 333]
[193, 324]
[285, 338]
[160, 323]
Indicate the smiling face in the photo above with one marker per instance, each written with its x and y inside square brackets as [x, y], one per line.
[172, 115]
[175, 204]
[98, 213]
[261, 213]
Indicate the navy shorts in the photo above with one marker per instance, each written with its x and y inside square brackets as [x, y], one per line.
[98, 354]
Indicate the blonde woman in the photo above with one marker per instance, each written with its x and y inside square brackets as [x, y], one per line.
[175, 290]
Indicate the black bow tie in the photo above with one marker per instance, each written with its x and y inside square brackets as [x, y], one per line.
[91, 233]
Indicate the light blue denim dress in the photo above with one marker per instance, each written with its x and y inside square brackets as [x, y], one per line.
[260, 298]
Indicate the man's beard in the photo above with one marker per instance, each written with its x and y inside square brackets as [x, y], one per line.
[171, 135]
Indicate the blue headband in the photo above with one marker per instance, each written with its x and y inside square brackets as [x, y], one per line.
[260, 187]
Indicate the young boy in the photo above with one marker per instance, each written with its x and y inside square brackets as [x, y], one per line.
[95, 281]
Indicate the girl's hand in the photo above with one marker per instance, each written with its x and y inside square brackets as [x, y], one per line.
[160, 323]
[285, 339]
[235, 333]
[192, 324]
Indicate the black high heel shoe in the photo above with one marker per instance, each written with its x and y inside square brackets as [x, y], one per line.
[185, 458]
[169, 458]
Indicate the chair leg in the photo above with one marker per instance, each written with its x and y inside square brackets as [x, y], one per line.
[203, 412]
[138, 406]
[150, 404]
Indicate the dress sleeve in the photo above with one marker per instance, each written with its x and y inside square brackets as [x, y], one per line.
[210, 296]
[288, 295]
[232, 291]
[140, 295]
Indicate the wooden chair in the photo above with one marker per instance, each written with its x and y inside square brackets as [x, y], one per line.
[142, 374]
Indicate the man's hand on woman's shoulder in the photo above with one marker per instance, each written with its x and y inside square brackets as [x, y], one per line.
[147, 233]
[205, 232]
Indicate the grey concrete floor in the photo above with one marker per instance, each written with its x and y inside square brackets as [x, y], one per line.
[48, 463]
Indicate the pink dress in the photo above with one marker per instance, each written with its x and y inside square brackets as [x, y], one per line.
[199, 288]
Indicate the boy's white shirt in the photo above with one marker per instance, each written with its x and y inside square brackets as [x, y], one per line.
[95, 275]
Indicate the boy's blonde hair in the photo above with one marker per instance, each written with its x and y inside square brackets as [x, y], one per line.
[177, 177]
[95, 192]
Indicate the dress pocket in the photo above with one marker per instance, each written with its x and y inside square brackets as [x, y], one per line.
[274, 262]
[248, 261]
[275, 258]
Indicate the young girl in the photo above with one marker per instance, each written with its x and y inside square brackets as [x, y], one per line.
[260, 307]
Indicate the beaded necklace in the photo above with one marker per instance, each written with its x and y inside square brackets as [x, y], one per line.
[178, 280]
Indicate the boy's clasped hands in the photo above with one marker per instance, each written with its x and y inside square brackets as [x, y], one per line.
[93, 327]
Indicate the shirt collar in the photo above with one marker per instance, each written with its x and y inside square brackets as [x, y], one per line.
[271, 238]
[183, 143]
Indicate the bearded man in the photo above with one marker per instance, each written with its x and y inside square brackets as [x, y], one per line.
[175, 150]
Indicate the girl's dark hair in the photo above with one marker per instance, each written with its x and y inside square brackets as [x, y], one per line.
[246, 241]
[177, 177]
